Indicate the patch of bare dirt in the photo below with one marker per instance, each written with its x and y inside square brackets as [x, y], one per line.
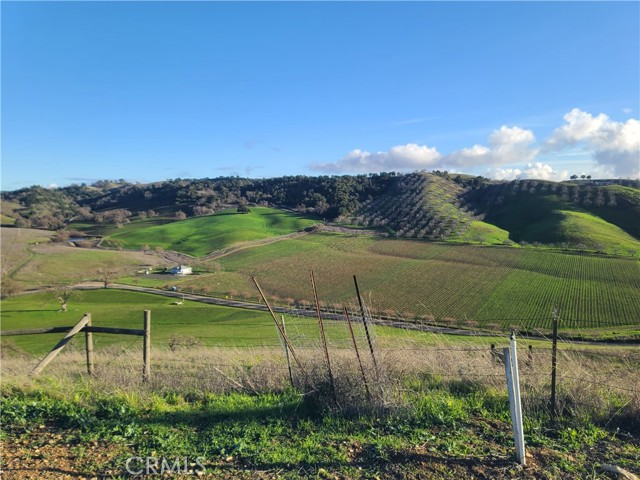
[44, 455]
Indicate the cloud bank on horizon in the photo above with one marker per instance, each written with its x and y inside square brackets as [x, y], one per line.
[512, 152]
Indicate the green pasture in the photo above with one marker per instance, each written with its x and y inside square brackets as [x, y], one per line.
[209, 325]
[483, 233]
[110, 229]
[202, 235]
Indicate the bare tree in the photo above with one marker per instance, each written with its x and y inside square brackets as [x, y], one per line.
[62, 295]
[111, 270]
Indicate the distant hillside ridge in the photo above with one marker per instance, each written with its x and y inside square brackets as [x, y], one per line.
[594, 215]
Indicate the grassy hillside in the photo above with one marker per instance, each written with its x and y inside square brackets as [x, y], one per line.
[102, 230]
[579, 217]
[16, 245]
[484, 233]
[585, 230]
[202, 235]
[548, 220]
[8, 211]
[627, 208]
[5, 220]
[571, 216]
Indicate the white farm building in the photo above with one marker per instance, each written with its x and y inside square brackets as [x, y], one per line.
[181, 270]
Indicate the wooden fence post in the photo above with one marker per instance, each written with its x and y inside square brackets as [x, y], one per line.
[146, 353]
[61, 344]
[89, 346]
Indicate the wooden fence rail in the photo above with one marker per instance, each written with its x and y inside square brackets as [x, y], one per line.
[88, 328]
[84, 325]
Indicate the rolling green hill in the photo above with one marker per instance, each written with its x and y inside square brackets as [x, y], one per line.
[465, 209]
[603, 219]
[6, 220]
[485, 234]
[626, 215]
[202, 235]
[587, 231]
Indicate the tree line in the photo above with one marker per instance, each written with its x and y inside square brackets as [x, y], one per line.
[114, 202]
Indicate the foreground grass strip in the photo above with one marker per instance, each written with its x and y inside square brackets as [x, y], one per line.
[438, 430]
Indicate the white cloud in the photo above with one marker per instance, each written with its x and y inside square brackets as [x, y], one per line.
[615, 145]
[498, 173]
[52, 185]
[401, 157]
[533, 171]
[579, 126]
[506, 145]
[509, 136]
[542, 171]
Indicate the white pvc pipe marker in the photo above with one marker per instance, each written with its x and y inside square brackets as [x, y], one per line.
[513, 387]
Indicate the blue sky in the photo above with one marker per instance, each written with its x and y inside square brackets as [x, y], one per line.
[154, 90]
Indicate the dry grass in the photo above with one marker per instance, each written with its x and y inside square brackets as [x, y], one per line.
[14, 245]
[62, 264]
[602, 387]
